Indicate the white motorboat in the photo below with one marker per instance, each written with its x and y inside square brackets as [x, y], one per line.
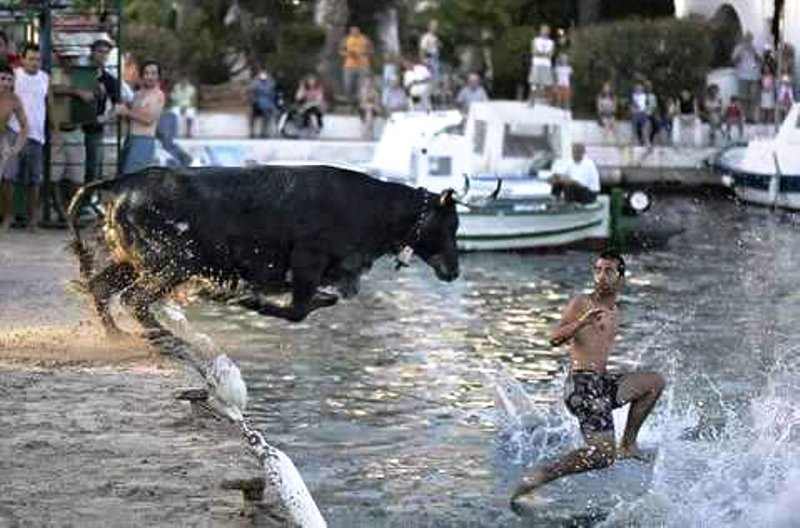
[766, 171]
[499, 140]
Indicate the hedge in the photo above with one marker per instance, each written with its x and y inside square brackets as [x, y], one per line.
[672, 53]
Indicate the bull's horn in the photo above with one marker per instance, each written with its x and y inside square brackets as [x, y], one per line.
[496, 190]
[464, 193]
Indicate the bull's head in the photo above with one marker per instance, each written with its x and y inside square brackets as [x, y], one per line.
[436, 242]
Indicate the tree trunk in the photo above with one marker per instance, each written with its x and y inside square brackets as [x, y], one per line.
[588, 12]
[331, 15]
[388, 31]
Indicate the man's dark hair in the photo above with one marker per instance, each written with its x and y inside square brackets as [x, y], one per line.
[151, 62]
[4, 37]
[29, 46]
[5, 68]
[613, 255]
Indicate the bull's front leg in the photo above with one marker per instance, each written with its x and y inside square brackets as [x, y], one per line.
[307, 268]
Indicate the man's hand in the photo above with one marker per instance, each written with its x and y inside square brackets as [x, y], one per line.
[84, 95]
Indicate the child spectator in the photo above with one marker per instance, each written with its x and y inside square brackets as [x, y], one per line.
[607, 111]
[563, 73]
[734, 116]
[394, 98]
[767, 92]
[713, 113]
[785, 96]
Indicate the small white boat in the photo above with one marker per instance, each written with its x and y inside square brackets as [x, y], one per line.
[499, 140]
[766, 171]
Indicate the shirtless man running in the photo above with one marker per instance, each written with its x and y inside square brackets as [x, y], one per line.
[10, 143]
[590, 322]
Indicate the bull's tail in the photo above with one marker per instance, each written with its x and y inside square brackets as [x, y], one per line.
[84, 254]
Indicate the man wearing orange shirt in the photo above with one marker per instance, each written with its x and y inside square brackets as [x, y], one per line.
[356, 50]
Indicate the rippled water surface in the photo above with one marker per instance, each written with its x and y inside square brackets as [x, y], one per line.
[383, 401]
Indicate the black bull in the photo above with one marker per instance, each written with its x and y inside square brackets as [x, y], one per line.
[275, 228]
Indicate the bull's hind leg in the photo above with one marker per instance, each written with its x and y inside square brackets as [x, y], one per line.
[102, 286]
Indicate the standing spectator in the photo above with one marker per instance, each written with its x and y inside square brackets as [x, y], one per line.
[10, 58]
[67, 170]
[356, 50]
[262, 104]
[11, 144]
[541, 74]
[430, 49]
[184, 101]
[748, 72]
[369, 104]
[472, 92]
[685, 121]
[32, 85]
[638, 109]
[734, 117]
[394, 98]
[785, 96]
[607, 111]
[143, 115]
[106, 87]
[713, 112]
[417, 80]
[391, 70]
[563, 73]
[767, 92]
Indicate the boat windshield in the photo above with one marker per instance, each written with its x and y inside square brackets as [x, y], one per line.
[533, 141]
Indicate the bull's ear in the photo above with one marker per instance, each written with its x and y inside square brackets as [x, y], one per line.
[446, 198]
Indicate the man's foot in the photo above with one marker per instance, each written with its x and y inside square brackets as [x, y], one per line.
[530, 482]
[634, 452]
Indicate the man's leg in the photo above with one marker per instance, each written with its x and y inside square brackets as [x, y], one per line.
[7, 204]
[642, 390]
[33, 207]
[599, 453]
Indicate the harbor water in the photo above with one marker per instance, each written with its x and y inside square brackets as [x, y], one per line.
[385, 402]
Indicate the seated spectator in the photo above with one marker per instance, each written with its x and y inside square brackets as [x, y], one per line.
[640, 120]
[734, 117]
[311, 98]
[184, 103]
[712, 106]
[607, 110]
[472, 92]
[394, 98]
[685, 125]
[577, 179]
[262, 104]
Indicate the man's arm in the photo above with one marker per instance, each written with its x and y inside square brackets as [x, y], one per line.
[22, 119]
[147, 114]
[575, 316]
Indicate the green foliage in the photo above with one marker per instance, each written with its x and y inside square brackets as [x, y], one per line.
[512, 56]
[150, 42]
[672, 53]
[297, 53]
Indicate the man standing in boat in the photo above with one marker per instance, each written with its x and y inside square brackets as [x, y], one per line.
[576, 180]
[589, 322]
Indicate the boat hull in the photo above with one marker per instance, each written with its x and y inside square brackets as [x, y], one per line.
[520, 225]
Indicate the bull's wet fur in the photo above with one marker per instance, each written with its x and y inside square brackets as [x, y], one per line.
[273, 228]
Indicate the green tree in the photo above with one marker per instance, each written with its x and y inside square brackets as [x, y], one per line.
[672, 53]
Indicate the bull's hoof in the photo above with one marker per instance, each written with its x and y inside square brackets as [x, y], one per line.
[324, 299]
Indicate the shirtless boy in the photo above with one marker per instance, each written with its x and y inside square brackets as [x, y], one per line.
[10, 143]
[590, 323]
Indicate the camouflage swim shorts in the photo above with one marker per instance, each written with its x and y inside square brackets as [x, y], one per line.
[591, 397]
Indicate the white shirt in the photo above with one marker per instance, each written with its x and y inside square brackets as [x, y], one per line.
[429, 44]
[563, 73]
[543, 46]
[32, 91]
[584, 172]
